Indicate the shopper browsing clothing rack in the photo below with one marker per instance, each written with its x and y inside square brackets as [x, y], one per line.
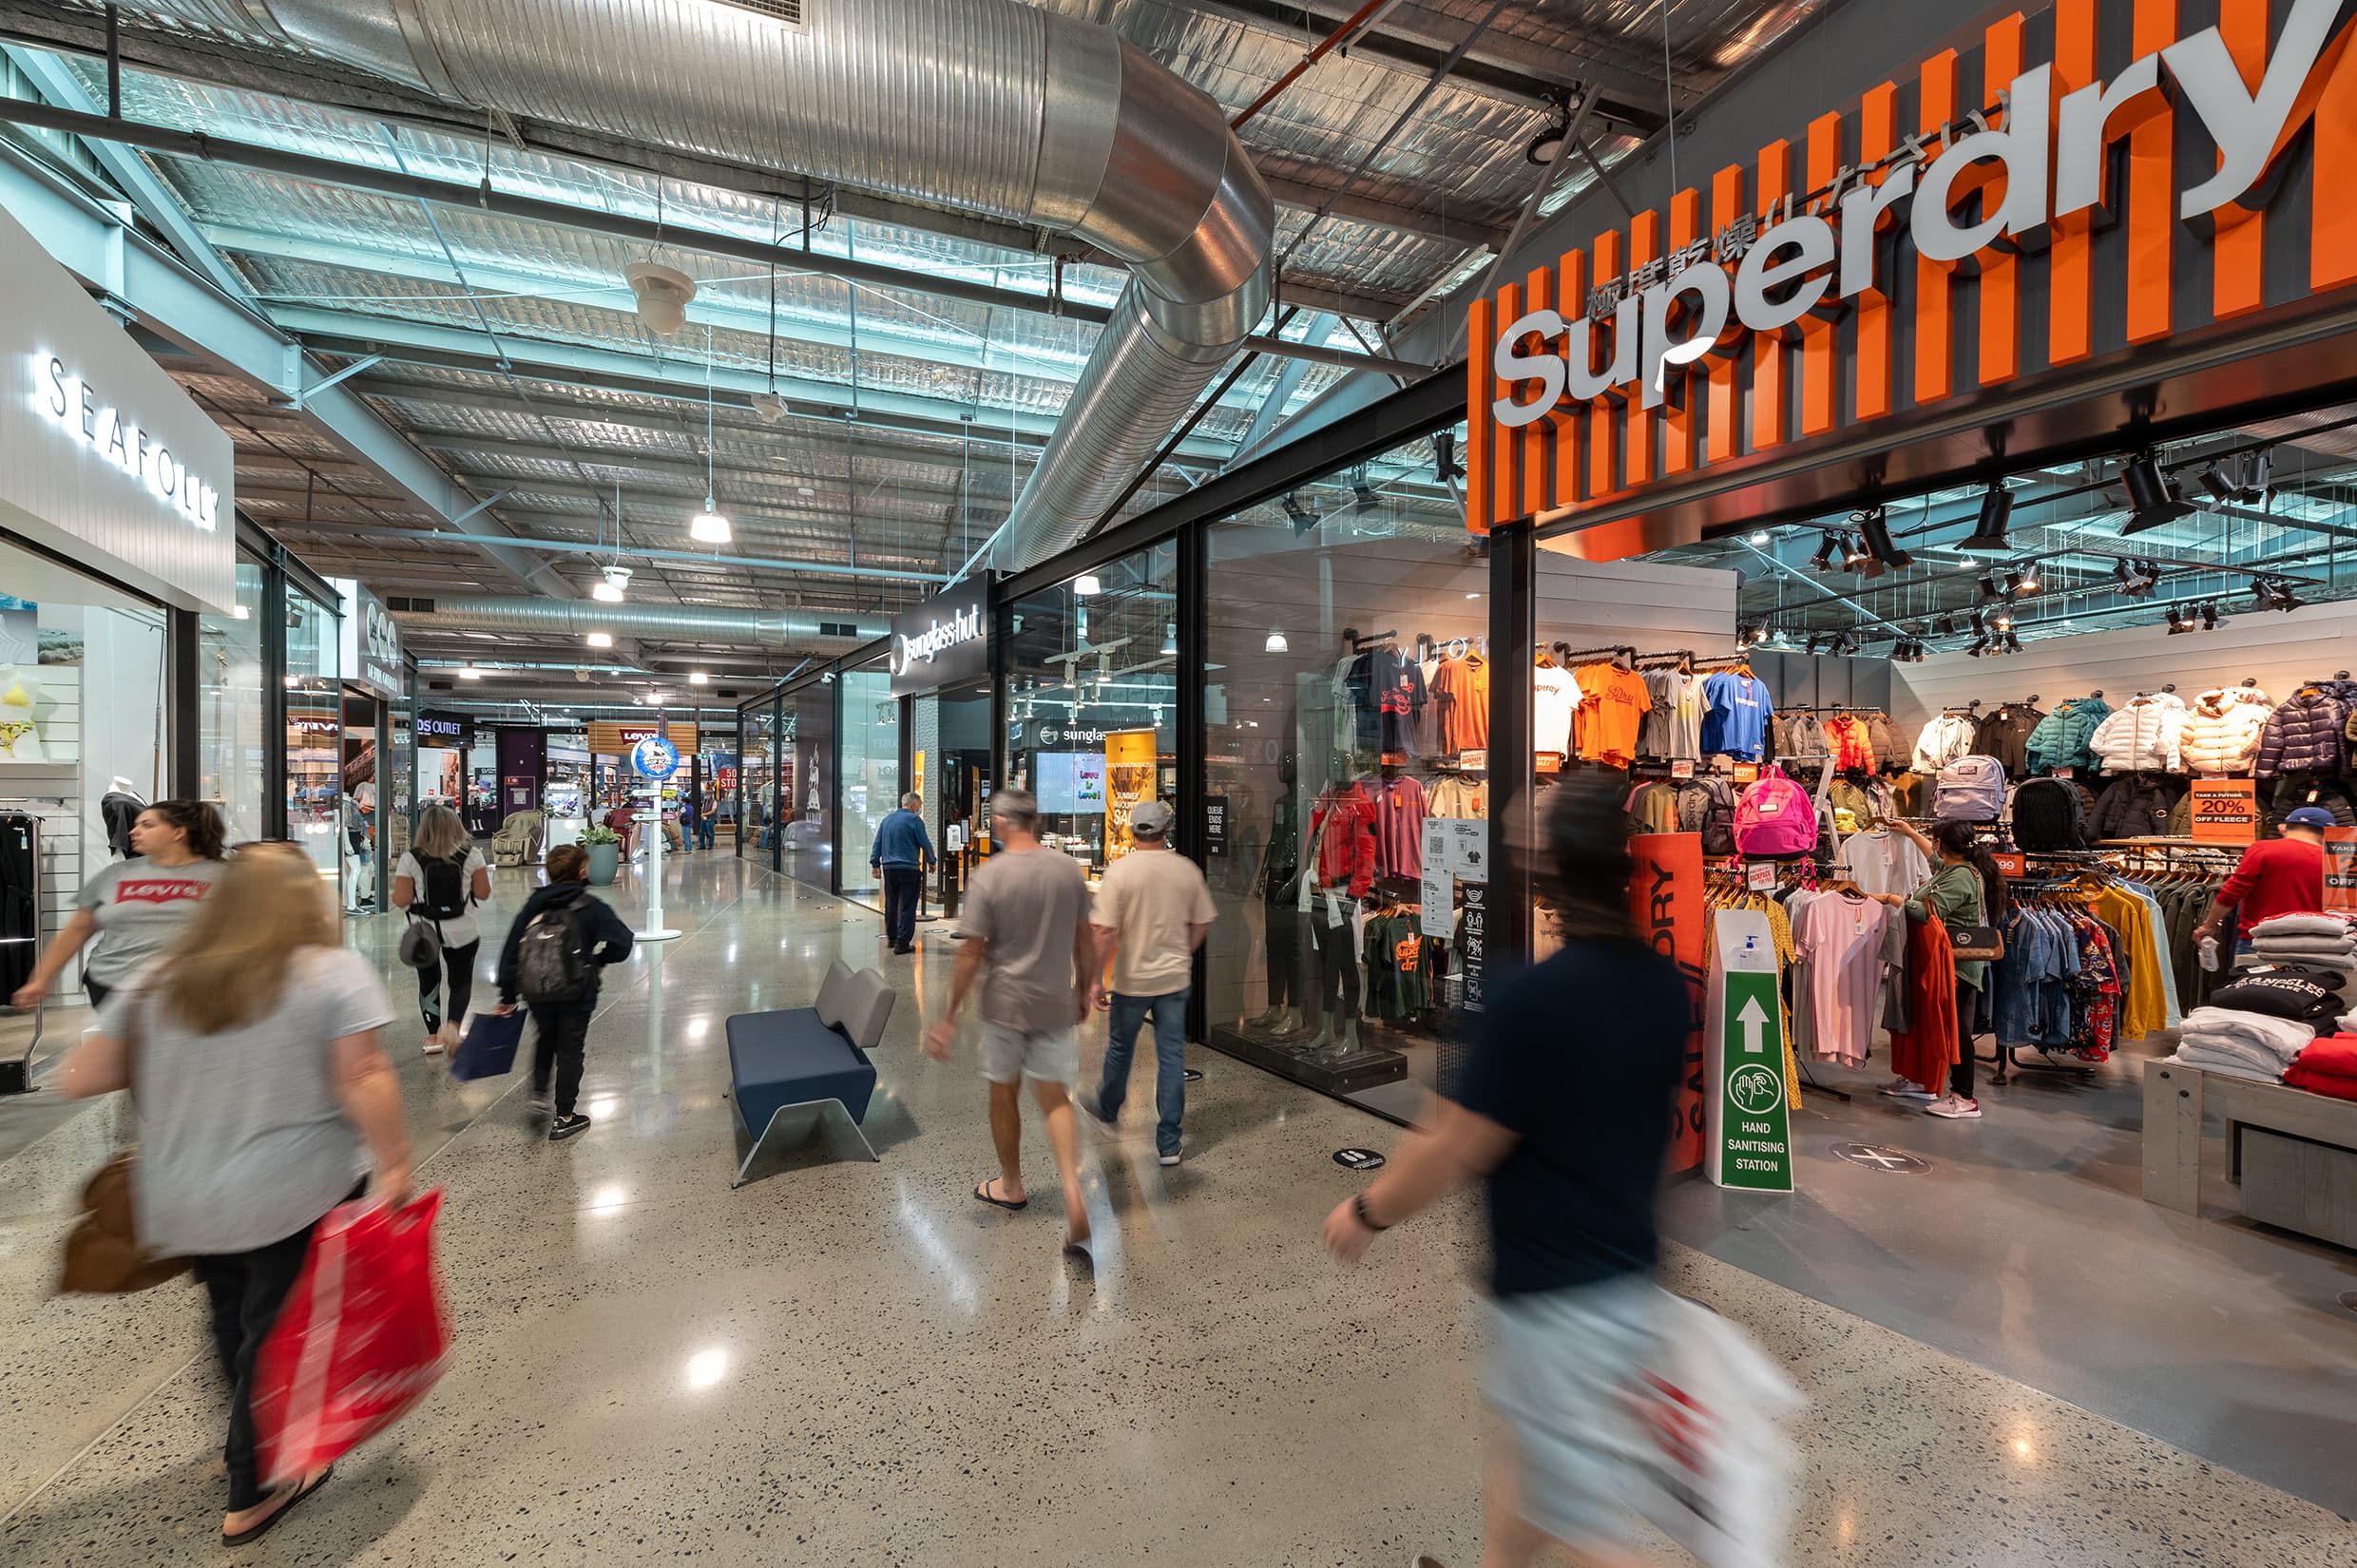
[1966, 891]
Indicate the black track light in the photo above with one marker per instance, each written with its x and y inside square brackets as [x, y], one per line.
[2136, 578]
[2026, 581]
[1988, 534]
[1854, 554]
[1826, 549]
[1303, 518]
[2150, 500]
[2210, 618]
[2176, 621]
[2012, 642]
[1445, 463]
[1364, 494]
[1980, 645]
[1944, 626]
[2258, 472]
[1875, 527]
[2002, 620]
[1979, 623]
[1991, 592]
[2212, 477]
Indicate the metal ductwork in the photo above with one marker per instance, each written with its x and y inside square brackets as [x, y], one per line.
[991, 106]
[677, 622]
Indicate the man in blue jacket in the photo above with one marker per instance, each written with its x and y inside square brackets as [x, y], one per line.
[902, 855]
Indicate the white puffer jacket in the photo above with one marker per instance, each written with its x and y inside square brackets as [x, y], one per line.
[2221, 734]
[2144, 737]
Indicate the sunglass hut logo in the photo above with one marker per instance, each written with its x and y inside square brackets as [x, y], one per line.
[937, 638]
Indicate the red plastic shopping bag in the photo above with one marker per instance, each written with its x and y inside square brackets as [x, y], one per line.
[361, 1338]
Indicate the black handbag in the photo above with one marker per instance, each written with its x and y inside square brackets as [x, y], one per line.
[1975, 943]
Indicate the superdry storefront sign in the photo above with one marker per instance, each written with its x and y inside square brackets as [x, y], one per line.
[941, 641]
[1969, 226]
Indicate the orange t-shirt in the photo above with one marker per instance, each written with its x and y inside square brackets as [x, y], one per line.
[1613, 702]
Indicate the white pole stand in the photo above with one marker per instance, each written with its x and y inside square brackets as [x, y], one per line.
[656, 931]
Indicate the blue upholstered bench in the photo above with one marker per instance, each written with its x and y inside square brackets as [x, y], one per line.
[796, 1058]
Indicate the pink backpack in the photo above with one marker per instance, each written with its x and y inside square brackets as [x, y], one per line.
[1774, 817]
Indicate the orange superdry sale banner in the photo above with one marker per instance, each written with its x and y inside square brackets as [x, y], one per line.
[1666, 899]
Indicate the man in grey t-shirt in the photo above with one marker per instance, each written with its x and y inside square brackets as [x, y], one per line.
[1028, 937]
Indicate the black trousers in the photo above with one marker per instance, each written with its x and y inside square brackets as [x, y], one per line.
[96, 991]
[1281, 931]
[245, 1291]
[460, 961]
[903, 886]
[558, 1040]
[1959, 1075]
[1338, 963]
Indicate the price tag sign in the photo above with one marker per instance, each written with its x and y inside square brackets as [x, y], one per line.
[1681, 767]
[2341, 869]
[1760, 877]
[1747, 773]
[2226, 811]
[2010, 865]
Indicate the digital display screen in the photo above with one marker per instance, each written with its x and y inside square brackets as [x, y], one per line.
[1070, 783]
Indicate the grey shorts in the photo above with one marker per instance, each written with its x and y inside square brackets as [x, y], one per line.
[1554, 1375]
[1052, 1054]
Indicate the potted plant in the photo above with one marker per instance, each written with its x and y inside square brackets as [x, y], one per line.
[604, 846]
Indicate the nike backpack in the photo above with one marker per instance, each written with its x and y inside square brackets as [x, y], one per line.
[1774, 817]
[1971, 789]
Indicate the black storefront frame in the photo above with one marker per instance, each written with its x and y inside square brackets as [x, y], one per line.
[1416, 410]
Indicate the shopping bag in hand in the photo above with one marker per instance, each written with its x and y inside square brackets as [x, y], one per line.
[1714, 1470]
[361, 1338]
[489, 1048]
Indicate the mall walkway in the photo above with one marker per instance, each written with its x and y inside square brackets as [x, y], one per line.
[852, 1364]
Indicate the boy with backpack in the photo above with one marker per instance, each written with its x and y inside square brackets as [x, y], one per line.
[551, 960]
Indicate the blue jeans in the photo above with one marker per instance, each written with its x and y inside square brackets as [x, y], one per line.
[1169, 1013]
[704, 833]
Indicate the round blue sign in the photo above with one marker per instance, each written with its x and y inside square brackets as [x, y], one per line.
[655, 757]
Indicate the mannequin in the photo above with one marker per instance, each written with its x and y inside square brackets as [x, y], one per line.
[1339, 870]
[1282, 924]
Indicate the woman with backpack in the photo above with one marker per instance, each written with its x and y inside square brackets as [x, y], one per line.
[551, 960]
[440, 880]
[1966, 891]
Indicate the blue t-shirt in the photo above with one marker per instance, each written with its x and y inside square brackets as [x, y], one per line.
[1591, 1102]
[1736, 715]
[901, 840]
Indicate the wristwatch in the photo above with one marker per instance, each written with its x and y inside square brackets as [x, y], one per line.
[1358, 1207]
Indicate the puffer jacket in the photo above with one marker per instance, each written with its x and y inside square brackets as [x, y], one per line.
[1943, 741]
[2061, 738]
[2222, 733]
[2304, 734]
[1891, 754]
[2142, 737]
[2132, 808]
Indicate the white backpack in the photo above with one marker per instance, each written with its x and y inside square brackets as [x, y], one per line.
[1971, 789]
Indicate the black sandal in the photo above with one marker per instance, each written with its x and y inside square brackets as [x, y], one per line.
[982, 1191]
[257, 1531]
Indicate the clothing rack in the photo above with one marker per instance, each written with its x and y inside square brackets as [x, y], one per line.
[16, 1074]
[1725, 662]
[1567, 655]
[1668, 656]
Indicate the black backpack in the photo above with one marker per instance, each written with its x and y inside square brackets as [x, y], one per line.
[2050, 815]
[551, 967]
[444, 895]
[1718, 820]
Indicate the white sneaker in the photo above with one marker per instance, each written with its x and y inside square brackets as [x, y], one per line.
[434, 1044]
[1955, 1108]
[1170, 1158]
[1900, 1088]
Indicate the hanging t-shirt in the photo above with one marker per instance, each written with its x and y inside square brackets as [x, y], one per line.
[1614, 704]
[1400, 810]
[1399, 697]
[1455, 796]
[1737, 715]
[1554, 696]
[1841, 938]
[1880, 861]
[1463, 686]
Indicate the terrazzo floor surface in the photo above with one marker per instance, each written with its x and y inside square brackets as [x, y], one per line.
[848, 1363]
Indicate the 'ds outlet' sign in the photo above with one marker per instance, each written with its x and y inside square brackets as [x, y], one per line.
[1975, 223]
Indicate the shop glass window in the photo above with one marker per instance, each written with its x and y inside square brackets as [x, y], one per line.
[759, 727]
[230, 713]
[867, 770]
[1346, 706]
[806, 783]
[570, 788]
[1092, 703]
[315, 729]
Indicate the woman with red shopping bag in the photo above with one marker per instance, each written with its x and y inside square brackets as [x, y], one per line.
[254, 1046]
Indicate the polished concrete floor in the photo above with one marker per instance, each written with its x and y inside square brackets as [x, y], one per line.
[848, 1363]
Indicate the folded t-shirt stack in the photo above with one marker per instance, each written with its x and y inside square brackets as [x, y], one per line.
[2311, 941]
[2246, 1045]
[2327, 1064]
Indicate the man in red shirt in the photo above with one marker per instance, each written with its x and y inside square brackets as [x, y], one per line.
[2277, 875]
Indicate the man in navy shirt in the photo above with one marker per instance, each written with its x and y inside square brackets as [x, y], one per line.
[902, 855]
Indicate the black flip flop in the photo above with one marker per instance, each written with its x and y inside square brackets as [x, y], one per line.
[256, 1532]
[982, 1191]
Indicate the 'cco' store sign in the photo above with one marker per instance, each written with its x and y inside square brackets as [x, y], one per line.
[942, 642]
[104, 460]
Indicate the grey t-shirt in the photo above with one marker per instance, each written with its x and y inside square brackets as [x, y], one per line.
[140, 907]
[242, 1139]
[1028, 906]
[463, 932]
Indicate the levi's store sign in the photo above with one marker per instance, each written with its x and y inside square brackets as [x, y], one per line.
[2003, 212]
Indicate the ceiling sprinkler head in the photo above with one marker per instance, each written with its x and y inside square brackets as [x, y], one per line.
[662, 292]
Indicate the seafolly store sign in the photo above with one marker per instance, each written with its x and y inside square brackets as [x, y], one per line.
[1797, 305]
[941, 641]
[116, 437]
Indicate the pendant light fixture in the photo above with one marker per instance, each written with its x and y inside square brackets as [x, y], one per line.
[613, 588]
[708, 526]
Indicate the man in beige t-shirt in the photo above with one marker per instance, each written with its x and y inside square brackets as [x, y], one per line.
[1152, 912]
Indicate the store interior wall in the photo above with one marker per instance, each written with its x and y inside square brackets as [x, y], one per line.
[2279, 650]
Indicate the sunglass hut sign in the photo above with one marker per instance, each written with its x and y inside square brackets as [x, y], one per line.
[1793, 309]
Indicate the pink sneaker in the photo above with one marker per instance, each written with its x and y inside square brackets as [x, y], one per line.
[1900, 1088]
[1955, 1108]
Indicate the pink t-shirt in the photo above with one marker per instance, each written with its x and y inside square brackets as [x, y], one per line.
[1840, 938]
